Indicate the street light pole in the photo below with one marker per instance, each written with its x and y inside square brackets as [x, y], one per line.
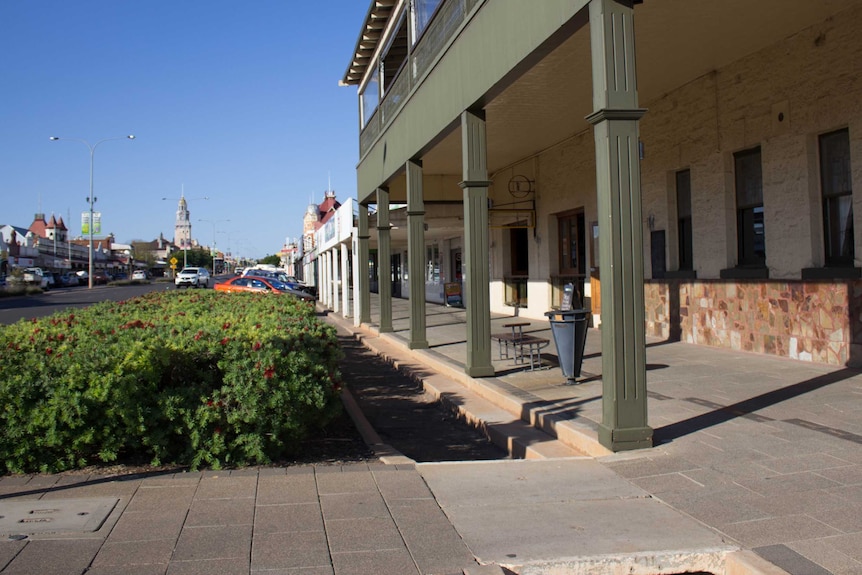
[92, 198]
[213, 222]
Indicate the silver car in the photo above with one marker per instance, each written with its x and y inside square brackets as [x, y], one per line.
[193, 277]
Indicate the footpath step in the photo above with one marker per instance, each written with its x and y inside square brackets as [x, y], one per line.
[520, 439]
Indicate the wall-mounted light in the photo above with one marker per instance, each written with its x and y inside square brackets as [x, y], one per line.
[651, 221]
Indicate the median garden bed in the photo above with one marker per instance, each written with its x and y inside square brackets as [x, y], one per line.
[196, 379]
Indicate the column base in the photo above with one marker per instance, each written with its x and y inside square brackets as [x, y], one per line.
[625, 439]
[485, 371]
[418, 344]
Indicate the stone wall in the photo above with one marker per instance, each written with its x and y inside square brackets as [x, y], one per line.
[803, 320]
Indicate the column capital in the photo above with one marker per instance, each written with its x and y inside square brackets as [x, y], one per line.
[606, 114]
[475, 184]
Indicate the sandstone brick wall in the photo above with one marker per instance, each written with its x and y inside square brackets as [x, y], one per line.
[803, 320]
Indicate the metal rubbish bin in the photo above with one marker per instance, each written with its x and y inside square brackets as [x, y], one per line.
[570, 336]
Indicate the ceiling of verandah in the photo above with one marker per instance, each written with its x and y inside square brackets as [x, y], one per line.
[677, 41]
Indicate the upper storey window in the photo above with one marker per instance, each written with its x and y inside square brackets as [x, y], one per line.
[370, 96]
[423, 12]
[394, 54]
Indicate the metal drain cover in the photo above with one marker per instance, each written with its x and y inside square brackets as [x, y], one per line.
[54, 515]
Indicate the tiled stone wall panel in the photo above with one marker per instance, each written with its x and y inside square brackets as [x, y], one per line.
[809, 321]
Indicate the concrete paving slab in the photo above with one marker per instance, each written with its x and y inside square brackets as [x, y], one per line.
[776, 530]
[563, 512]
[353, 506]
[162, 498]
[209, 567]
[488, 483]
[374, 563]
[287, 488]
[124, 553]
[148, 526]
[822, 553]
[215, 542]
[227, 486]
[364, 534]
[152, 569]
[287, 518]
[54, 557]
[9, 548]
[208, 512]
[298, 550]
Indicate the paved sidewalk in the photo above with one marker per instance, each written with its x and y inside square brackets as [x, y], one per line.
[765, 451]
[358, 519]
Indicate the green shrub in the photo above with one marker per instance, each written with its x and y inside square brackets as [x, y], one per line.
[203, 379]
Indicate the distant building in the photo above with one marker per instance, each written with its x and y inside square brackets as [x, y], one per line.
[183, 226]
[316, 215]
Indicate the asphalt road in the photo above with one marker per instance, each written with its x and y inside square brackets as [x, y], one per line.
[16, 308]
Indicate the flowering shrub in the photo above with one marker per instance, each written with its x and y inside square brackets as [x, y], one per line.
[196, 378]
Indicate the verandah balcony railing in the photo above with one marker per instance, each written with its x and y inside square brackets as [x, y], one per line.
[434, 40]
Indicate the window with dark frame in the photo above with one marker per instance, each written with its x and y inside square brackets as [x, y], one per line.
[572, 245]
[837, 198]
[519, 257]
[750, 232]
[683, 219]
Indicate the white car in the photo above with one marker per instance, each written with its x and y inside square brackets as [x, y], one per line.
[37, 277]
[139, 275]
[193, 277]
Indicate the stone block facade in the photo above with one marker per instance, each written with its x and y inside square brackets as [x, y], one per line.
[817, 321]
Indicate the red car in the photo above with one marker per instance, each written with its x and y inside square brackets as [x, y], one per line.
[256, 284]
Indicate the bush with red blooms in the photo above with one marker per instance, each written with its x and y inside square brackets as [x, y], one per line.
[190, 378]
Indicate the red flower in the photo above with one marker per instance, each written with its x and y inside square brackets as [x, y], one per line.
[217, 430]
[48, 351]
[226, 325]
[269, 373]
[256, 346]
[225, 341]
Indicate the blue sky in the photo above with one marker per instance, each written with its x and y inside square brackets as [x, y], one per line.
[235, 100]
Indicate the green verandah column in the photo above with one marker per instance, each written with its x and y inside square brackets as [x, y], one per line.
[416, 255]
[477, 299]
[384, 257]
[624, 400]
[363, 289]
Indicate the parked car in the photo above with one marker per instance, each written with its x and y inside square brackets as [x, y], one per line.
[36, 277]
[193, 277]
[259, 284]
[290, 281]
[69, 279]
[139, 275]
[101, 278]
